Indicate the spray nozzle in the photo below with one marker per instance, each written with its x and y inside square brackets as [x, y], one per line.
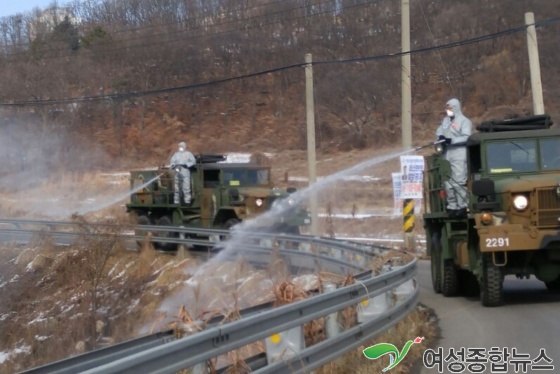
[429, 144]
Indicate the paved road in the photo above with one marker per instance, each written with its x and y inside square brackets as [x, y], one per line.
[530, 320]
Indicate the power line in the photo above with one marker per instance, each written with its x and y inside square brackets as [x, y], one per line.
[288, 67]
[439, 54]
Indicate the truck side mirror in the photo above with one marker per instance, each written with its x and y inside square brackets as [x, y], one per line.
[291, 189]
[483, 187]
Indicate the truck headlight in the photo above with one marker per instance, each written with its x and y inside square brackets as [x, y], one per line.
[520, 202]
[291, 202]
[486, 218]
[259, 202]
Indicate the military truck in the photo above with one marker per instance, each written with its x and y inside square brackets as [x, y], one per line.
[513, 221]
[223, 195]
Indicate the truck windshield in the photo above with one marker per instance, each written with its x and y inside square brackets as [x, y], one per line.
[512, 156]
[550, 153]
[246, 177]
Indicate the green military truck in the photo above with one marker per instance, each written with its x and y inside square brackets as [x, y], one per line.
[513, 223]
[223, 194]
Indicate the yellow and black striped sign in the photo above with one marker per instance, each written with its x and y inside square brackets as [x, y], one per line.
[408, 215]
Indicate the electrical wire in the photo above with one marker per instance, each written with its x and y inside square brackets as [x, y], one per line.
[122, 96]
[439, 54]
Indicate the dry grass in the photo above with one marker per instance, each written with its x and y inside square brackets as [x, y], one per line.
[51, 307]
[421, 322]
[148, 278]
[63, 194]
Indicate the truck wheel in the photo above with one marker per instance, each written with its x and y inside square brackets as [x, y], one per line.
[230, 223]
[492, 287]
[166, 221]
[142, 220]
[468, 284]
[553, 286]
[289, 230]
[227, 226]
[450, 284]
[435, 262]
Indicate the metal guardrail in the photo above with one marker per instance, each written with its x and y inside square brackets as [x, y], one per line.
[165, 355]
[195, 349]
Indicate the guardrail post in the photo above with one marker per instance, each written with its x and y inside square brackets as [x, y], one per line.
[284, 345]
[202, 367]
[306, 247]
[336, 253]
[405, 289]
[331, 322]
[181, 249]
[370, 308]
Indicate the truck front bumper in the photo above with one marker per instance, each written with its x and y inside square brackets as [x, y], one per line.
[516, 237]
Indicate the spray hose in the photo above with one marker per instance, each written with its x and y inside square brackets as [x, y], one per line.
[138, 188]
[453, 183]
[429, 145]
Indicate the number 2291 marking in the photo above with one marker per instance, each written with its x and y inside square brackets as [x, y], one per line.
[497, 242]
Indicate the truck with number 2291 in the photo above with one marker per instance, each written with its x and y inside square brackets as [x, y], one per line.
[513, 221]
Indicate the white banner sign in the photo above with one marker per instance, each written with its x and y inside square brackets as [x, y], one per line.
[397, 202]
[412, 171]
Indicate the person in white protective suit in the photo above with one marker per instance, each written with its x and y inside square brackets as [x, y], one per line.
[454, 130]
[181, 162]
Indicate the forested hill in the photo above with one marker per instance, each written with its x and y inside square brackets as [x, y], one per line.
[122, 81]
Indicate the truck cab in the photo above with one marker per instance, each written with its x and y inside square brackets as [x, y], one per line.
[513, 223]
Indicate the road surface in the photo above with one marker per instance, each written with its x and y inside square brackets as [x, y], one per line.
[529, 321]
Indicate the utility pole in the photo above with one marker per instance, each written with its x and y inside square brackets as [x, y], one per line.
[311, 158]
[534, 65]
[406, 115]
[406, 103]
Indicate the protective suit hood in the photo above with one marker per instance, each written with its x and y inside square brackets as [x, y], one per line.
[456, 106]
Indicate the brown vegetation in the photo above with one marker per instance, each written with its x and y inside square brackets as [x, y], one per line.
[58, 302]
[129, 46]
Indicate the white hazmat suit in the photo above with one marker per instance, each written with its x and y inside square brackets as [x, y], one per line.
[456, 128]
[182, 160]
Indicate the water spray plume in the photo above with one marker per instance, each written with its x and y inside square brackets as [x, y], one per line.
[103, 205]
[277, 210]
[208, 269]
[58, 207]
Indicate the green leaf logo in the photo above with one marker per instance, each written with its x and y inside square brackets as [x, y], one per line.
[381, 349]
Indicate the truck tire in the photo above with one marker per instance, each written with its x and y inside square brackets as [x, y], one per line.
[553, 286]
[492, 287]
[435, 262]
[450, 284]
[230, 223]
[227, 226]
[142, 220]
[166, 221]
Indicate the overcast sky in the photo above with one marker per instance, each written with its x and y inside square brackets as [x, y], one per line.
[11, 7]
